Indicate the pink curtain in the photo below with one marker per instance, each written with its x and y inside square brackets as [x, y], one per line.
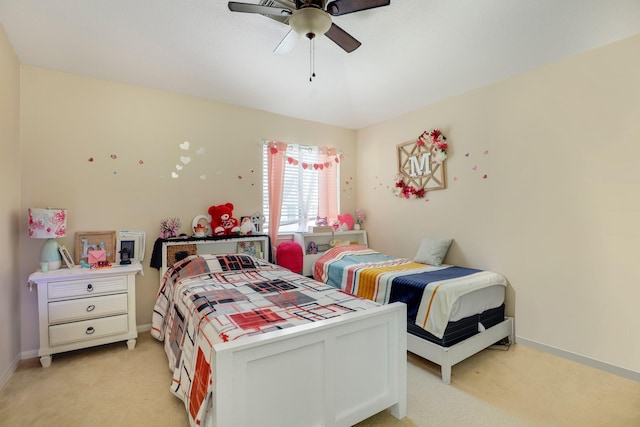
[328, 184]
[275, 170]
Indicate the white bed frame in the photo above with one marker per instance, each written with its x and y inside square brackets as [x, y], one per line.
[446, 357]
[331, 373]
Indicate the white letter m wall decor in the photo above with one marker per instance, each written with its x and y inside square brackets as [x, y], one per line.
[421, 167]
[418, 166]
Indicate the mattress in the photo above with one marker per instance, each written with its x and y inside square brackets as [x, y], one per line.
[461, 329]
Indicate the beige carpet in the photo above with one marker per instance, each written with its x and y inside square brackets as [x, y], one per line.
[522, 387]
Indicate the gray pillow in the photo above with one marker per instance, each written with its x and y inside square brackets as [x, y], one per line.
[432, 250]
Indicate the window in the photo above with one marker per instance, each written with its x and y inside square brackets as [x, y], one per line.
[302, 186]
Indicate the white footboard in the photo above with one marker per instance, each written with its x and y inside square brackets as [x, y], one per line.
[336, 372]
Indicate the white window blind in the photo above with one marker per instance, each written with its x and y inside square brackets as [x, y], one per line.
[300, 197]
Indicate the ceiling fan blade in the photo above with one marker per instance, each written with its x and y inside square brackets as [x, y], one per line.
[342, 7]
[287, 44]
[235, 6]
[342, 38]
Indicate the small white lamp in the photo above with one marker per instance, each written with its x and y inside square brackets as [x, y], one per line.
[49, 223]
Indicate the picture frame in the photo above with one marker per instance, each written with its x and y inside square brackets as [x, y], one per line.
[253, 248]
[66, 256]
[103, 240]
[134, 242]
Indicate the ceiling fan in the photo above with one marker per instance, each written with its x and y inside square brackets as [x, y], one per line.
[310, 18]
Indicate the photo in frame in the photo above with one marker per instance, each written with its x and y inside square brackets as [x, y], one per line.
[250, 248]
[66, 256]
[95, 240]
[133, 243]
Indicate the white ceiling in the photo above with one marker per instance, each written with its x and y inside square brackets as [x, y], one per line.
[413, 53]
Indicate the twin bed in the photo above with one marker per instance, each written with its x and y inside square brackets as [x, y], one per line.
[452, 312]
[251, 343]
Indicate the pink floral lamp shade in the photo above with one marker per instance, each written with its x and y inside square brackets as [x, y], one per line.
[48, 223]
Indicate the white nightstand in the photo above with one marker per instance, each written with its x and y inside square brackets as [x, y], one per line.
[82, 307]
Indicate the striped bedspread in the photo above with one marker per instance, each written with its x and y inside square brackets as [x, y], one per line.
[208, 299]
[429, 292]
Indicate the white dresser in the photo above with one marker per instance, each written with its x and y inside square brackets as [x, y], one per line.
[82, 307]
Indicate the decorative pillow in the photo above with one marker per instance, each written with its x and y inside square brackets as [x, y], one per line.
[432, 250]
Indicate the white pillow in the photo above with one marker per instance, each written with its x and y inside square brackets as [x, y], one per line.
[432, 250]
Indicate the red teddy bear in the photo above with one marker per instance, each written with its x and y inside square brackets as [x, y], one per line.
[222, 221]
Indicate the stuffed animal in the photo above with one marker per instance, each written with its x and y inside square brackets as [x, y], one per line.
[247, 227]
[346, 222]
[222, 220]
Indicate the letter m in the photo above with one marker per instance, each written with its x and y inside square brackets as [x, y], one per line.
[420, 167]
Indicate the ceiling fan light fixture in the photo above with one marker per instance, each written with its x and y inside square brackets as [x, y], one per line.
[310, 22]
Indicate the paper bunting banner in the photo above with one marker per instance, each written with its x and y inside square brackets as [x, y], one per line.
[337, 157]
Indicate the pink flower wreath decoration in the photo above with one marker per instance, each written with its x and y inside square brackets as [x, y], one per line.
[433, 140]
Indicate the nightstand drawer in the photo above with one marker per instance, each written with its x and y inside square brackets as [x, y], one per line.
[87, 308]
[86, 287]
[87, 330]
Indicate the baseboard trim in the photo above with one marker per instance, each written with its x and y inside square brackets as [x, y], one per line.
[607, 367]
[4, 379]
[29, 354]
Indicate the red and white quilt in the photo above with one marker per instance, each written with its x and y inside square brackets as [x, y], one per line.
[208, 299]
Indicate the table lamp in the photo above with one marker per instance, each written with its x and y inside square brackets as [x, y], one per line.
[48, 223]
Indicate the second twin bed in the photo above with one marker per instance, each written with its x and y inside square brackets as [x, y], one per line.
[452, 312]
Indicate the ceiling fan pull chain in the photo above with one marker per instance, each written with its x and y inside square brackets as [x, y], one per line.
[313, 69]
[312, 58]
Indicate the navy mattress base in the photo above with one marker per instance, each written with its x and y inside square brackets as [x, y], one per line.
[461, 329]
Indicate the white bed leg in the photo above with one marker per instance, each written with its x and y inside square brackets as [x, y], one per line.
[399, 410]
[446, 373]
[512, 334]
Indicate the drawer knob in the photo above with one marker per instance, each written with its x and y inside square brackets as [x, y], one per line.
[89, 287]
[91, 308]
[89, 330]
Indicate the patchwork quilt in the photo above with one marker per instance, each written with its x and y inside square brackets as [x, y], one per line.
[429, 292]
[208, 299]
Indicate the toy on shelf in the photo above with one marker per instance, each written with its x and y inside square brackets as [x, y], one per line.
[101, 264]
[246, 226]
[201, 226]
[346, 222]
[222, 221]
[258, 221]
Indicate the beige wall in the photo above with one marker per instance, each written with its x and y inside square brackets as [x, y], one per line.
[558, 212]
[9, 207]
[67, 119]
